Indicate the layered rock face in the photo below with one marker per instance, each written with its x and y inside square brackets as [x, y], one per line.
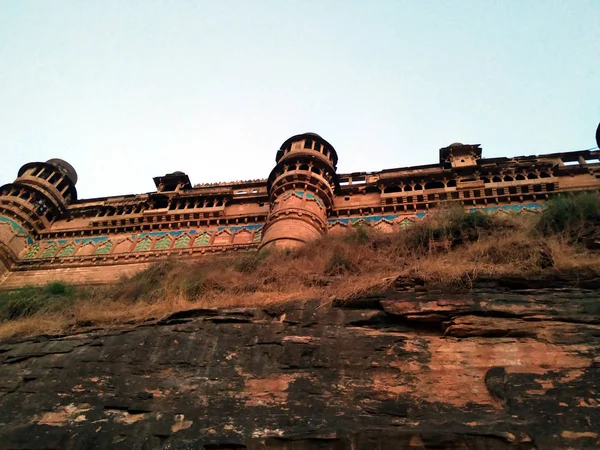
[506, 364]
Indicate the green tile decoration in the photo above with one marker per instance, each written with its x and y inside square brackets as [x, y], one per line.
[33, 250]
[202, 240]
[67, 250]
[183, 241]
[143, 245]
[257, 237]
[163, 243]
[104, 249]
[49, 252]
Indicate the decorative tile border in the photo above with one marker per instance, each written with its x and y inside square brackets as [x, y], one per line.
[143, 242]
[190, 239]
[18, 229]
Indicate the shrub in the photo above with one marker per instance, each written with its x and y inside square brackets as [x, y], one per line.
[454, 225]
[570, 214]
[524, 253]
[57, 288]
[145, 284]
[249, 262]
[29, 300]
[359, 234]
[193, 287]
[339, 263]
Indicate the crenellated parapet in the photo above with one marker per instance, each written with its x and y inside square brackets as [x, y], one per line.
[301, 191]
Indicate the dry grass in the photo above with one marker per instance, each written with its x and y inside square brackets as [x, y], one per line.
[355, 263]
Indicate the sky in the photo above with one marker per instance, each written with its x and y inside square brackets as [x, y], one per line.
[126, 91]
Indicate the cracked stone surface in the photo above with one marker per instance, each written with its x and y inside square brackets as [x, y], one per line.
[508, 364]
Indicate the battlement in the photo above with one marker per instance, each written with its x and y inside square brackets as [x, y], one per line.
[47, 232]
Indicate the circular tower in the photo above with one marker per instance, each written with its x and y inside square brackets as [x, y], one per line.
[301, 189]
[39, 195]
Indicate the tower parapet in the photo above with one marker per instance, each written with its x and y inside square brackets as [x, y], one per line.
[301, 191]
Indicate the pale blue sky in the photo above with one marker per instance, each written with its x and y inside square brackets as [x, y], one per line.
[128, 90]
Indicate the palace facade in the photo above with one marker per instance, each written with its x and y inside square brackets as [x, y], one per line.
[47, 233]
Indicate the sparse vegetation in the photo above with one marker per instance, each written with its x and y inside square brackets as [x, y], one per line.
[571, 214]
[452, 247]
[31, 300]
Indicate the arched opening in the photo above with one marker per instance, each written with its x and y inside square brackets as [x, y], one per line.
[497, 179]
[485, 179]
[408, 188]
[532, 176]
[392, 189]
[418, 187]
[434, 185]
[544, 175]
[303, 167]
[520, 177]
[508, 178]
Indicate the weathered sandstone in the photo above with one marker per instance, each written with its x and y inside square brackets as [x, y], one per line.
[507, 364]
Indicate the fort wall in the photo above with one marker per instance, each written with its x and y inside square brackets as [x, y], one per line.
[48, 233]
[88, 275]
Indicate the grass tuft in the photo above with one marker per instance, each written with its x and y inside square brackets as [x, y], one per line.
[31, 300]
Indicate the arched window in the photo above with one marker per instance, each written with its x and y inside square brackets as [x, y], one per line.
[544, 175]
[434, 185]
[418, 187]
[508, 178]
[497, 179]
[532, 176]
[304, 167]
[408, 188]
[520, 177]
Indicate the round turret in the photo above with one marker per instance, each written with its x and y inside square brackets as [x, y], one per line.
[40, 194]
[301, 190]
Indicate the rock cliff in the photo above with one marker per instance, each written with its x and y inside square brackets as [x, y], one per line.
[505, 364]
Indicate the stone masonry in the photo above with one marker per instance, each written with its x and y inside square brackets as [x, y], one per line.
[47, 233]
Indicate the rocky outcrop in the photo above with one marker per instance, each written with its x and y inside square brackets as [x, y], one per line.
[507, 364]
